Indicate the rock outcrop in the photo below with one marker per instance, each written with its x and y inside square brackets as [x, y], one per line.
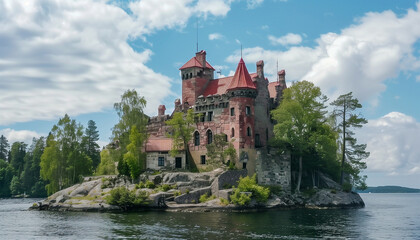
[91, 194]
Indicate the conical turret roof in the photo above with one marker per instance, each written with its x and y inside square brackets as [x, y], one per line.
[241, 79]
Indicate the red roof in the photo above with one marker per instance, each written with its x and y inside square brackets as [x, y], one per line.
[241, 79]
[158, 144]
[219, 86]
[193, 62]
[272, 89]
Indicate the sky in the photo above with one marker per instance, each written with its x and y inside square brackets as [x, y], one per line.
[78, 57]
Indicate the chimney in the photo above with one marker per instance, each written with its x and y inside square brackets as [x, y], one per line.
[201, 57]
[161, 110]
[177, 105]
[260, 69]
[282, 79]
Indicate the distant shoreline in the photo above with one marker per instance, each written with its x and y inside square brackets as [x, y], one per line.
[389, 189]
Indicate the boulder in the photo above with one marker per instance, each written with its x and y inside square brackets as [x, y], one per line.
[193, 196]
[332, 198]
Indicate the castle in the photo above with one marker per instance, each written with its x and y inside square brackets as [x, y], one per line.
[238, 106]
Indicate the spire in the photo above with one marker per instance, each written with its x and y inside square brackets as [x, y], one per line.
[241, 79]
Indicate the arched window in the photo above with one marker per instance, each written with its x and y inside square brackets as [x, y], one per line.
[248, 132]
[209, 137]
[196, 138]
[232, 134]
[190, 75]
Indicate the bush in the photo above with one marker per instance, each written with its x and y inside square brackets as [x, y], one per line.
[249, 184]
[224, 201]
[275, 189]
[150, 184]
[347, 187]
[125, 199]
[205, 197]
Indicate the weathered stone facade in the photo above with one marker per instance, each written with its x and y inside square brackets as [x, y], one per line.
[238, 106]
[273, 168]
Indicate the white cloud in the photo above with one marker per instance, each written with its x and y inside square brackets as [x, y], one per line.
[19, 135]
[392, 141]
[288, 39]
[215, 36]
[359, 59]
[73, 57]
[251, 4]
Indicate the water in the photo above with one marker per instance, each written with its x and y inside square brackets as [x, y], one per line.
[386, 216]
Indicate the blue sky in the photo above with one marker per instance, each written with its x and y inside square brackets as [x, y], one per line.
[78, 57]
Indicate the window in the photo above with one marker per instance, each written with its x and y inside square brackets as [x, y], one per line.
[202, 117]
[248, 132]
[232, 133]
[266, 134]
[248, 110]
[161, 161]
[209, 137]
[244, 165]
[190, 75]
[232, 111]
[225, 137]
[203, 159]
[210, 116]
[196, 138]
[257, 140]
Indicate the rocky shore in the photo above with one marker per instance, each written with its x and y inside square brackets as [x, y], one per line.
[181, 191]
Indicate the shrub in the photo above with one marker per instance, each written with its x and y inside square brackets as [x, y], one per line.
[347, 187]
[150, 184]
[309, 192]
[275, 189]
[249, 184]
[224, 201]
[177, 193]
[205, 197]
[333, 191]
[125, 199]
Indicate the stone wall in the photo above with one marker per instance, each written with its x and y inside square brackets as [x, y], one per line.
[227, 179]
[169, 162]
[273, 168]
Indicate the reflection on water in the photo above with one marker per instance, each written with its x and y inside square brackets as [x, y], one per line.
[390, 216]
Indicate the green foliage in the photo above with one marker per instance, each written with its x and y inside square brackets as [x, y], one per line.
[90, 144]
[275, 189]
[134, 158]
[17, 154]
[220, 151]
[177, 193]
[347, 187]
[181, 128]
[107, 165]
[249, 184]
[224, 201]
[130, 113]
[6, 175]
[126, 199]
[309, 192]
[16, 186]
[149, 184]
[64, 161]
[303, 129]
[352, 154]
[4, 147]
[206, 197]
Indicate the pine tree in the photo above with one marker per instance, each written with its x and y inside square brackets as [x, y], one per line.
[90, 143]
[352, 153]
[4, 148]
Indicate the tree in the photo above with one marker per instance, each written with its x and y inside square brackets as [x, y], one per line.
[300, 118]
[181, 129]
[134, 157]
[15, 186]
[6, 175]
[130, 112]
[17, 155]
[90, 143]
[107, 165]
[352, 153]
[64, 161]
[4, 146]
[221, 151]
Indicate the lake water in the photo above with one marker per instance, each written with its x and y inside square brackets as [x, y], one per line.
[386, 216]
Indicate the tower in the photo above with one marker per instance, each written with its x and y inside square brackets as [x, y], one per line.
[195, 74]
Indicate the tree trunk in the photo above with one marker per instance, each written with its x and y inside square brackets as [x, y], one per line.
[343, 145]
[300, 175]
[313, 179]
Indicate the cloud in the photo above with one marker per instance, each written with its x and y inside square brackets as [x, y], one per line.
[251, 4]
[215, 36]
[360, 58]
[392, 141]
[72, 57]
[25, 136]
[288, 39]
